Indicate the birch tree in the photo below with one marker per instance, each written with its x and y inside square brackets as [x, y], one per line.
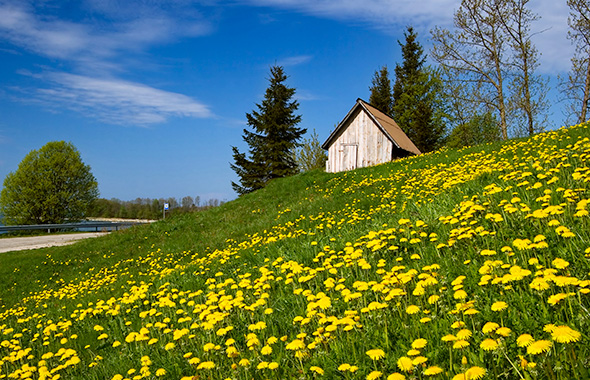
[576, 86]
[527, 88]
[475, 53]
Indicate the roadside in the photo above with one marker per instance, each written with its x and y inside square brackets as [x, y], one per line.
[34, 242]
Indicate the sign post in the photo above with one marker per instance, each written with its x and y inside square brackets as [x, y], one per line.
[166, 206]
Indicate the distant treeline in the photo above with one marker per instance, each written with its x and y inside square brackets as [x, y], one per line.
[147, 208]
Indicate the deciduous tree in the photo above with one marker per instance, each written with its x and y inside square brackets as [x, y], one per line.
[51, 185]
[576, 86]
[310, 155]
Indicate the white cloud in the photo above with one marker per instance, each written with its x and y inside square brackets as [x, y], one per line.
[95, 40]
[295, 60]
[116, 101]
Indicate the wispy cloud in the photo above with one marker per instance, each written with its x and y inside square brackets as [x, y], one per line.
[34, 29]
[295, 60]
[115, 101]
[97, 47]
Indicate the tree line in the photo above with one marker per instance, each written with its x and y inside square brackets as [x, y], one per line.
[147, 208]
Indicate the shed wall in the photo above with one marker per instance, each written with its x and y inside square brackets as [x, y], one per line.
[360, 144]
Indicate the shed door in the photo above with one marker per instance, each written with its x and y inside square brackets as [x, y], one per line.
[349, 156]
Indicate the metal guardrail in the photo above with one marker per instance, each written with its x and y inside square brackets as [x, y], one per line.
[103, 226]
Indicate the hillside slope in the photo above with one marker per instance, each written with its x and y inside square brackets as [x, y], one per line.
[453, 265]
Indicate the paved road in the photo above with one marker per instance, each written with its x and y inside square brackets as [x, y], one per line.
[34, 242]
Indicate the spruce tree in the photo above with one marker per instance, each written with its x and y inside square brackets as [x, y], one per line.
[381, 97]
[274, 137]
[417, 97]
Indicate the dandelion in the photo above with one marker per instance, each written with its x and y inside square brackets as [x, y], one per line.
[396, 376]
[564, 334]
[419, 343]
[499, 306]
[503, 331]
[412, 309]
[459, 344]
[405, 364]
[376, 354]
[489, 327]
[374, 375]
[432, 371]
[464, 334]
[274, 365]
[317, 370]
[475, 373]
[266, 350]
[160, 372]
[169, 346]
[538, 347]
[524, 340]
[206, 365]
[489, 345]
[296, 345]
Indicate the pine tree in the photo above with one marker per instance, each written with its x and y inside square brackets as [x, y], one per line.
[381, 97]
[417, 97]
[274, 137]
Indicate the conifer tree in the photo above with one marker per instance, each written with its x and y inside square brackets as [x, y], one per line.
[274, 137]
[417, 97]
[381, 97]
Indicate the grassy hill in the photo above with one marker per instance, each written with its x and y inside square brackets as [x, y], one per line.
[470, 264]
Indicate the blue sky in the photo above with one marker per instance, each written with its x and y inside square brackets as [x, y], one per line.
[154, 93]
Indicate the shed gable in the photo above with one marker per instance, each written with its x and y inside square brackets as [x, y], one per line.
[364, 138]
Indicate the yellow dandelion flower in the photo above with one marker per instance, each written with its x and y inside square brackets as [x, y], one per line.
[413, 352]
[412, 309]
[317, 370]
[419, 343]
[419, 360]
[396, 376]
[564, 334]
[449, 338]
[464, 334]
[376, 354]
[296, 345]
[524, 340]
[169, 346]
[266, 350]
[273, 365]
[459, 344]
[344, 367]
[489, 345]
[499, 306]
[432, 371]
[503, 331]
[560, 263]
[244, 362]
[262, 365]
[538, 347]
[475, 373]
[405, 364]
[374, 375]
[489, 327]
[160, 372]
[206, 365]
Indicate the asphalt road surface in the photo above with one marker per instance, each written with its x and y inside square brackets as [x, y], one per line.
[34, 242]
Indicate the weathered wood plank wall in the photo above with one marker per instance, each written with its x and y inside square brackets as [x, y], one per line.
[360, 144]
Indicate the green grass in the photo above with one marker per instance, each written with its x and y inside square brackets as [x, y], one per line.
[339, 257]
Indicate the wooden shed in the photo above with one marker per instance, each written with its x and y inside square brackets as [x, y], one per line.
[365, 137]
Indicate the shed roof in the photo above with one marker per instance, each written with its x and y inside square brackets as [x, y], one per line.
[385, 123]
